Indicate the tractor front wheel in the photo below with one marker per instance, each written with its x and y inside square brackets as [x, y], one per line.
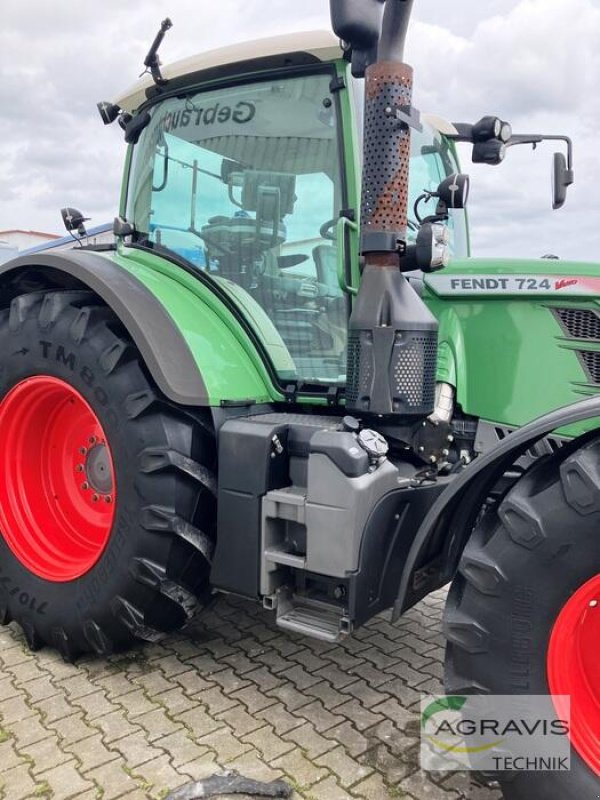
[107, 490]
[523, 613]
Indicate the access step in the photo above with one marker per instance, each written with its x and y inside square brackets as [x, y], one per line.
[313, 618]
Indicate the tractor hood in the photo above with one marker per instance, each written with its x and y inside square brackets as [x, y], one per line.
[543, 277]
[517, 338]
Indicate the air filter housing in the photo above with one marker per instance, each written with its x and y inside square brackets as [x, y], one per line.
[392, 347]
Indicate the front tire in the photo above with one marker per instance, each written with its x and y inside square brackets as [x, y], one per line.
[107, 490]
[520, 618]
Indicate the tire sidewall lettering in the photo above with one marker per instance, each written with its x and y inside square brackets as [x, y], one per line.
[88, 611]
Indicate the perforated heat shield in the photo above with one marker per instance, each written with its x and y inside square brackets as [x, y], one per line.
[388, 88]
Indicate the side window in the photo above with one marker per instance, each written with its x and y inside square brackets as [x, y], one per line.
[426, 173]
[429, 165]
[178, 182]
[245, 184]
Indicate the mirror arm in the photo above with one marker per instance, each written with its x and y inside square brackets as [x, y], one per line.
[525, 138]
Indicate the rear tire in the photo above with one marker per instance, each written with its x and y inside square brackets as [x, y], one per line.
[150, 569]
[525, 562]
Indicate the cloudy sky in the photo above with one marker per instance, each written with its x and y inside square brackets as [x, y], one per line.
[533, 62]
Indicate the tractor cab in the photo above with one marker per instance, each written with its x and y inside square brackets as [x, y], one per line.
[251, 178]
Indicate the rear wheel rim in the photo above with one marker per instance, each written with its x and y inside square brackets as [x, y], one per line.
[574, 668]
[57, 479]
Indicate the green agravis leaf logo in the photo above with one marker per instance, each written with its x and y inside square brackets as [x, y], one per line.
[442, 706]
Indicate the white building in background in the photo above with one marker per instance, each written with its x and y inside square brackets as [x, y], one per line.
[12, 241]
[22, 240]
[7, 252]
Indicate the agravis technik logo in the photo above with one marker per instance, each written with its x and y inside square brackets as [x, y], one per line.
[494, 732]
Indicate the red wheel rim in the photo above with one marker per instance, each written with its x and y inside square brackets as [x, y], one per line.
[57, 486]
[574, 668]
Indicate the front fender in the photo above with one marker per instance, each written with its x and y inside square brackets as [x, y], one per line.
[450, 519]
[196, 351]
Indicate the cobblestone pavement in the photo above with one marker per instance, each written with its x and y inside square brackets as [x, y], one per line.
[232, 691]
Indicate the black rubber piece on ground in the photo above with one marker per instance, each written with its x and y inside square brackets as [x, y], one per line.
[524, 560]
[154, 570]
[230, 783]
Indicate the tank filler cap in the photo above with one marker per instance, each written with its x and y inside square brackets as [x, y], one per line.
[350, 424]
[373, 444]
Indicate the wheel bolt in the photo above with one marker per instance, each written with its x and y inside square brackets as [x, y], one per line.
[108, 499]
[95, 498]
[593, 603]
[93, 440]
[79, 468]
[85, 485]
[83, 450]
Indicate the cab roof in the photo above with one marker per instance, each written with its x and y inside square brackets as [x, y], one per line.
[318, 45]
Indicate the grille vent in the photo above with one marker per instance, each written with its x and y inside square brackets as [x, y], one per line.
[414, 372]
[591, 362]
[582, 324]
[359, 374]
[579, 323]
[412, 367]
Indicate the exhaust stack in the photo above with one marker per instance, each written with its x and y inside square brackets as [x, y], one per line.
[392, 345]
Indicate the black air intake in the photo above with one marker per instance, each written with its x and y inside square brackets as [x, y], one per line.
[392, 348]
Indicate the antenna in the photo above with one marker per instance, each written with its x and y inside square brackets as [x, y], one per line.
[151, 62]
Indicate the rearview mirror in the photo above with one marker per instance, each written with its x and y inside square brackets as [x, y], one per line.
[562, 178]
[358, 24]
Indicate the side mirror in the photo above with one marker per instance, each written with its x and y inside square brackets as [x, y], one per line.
[358, 24]
[562, 178]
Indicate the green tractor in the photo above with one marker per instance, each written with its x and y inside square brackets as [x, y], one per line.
[288, 381]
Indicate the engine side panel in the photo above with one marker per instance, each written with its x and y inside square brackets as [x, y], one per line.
[517, 338]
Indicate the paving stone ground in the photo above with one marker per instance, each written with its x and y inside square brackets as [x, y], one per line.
[230, 692]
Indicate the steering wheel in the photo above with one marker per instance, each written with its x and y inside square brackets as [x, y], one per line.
[326, 232]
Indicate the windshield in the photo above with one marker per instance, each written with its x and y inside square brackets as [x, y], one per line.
[245, 183]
